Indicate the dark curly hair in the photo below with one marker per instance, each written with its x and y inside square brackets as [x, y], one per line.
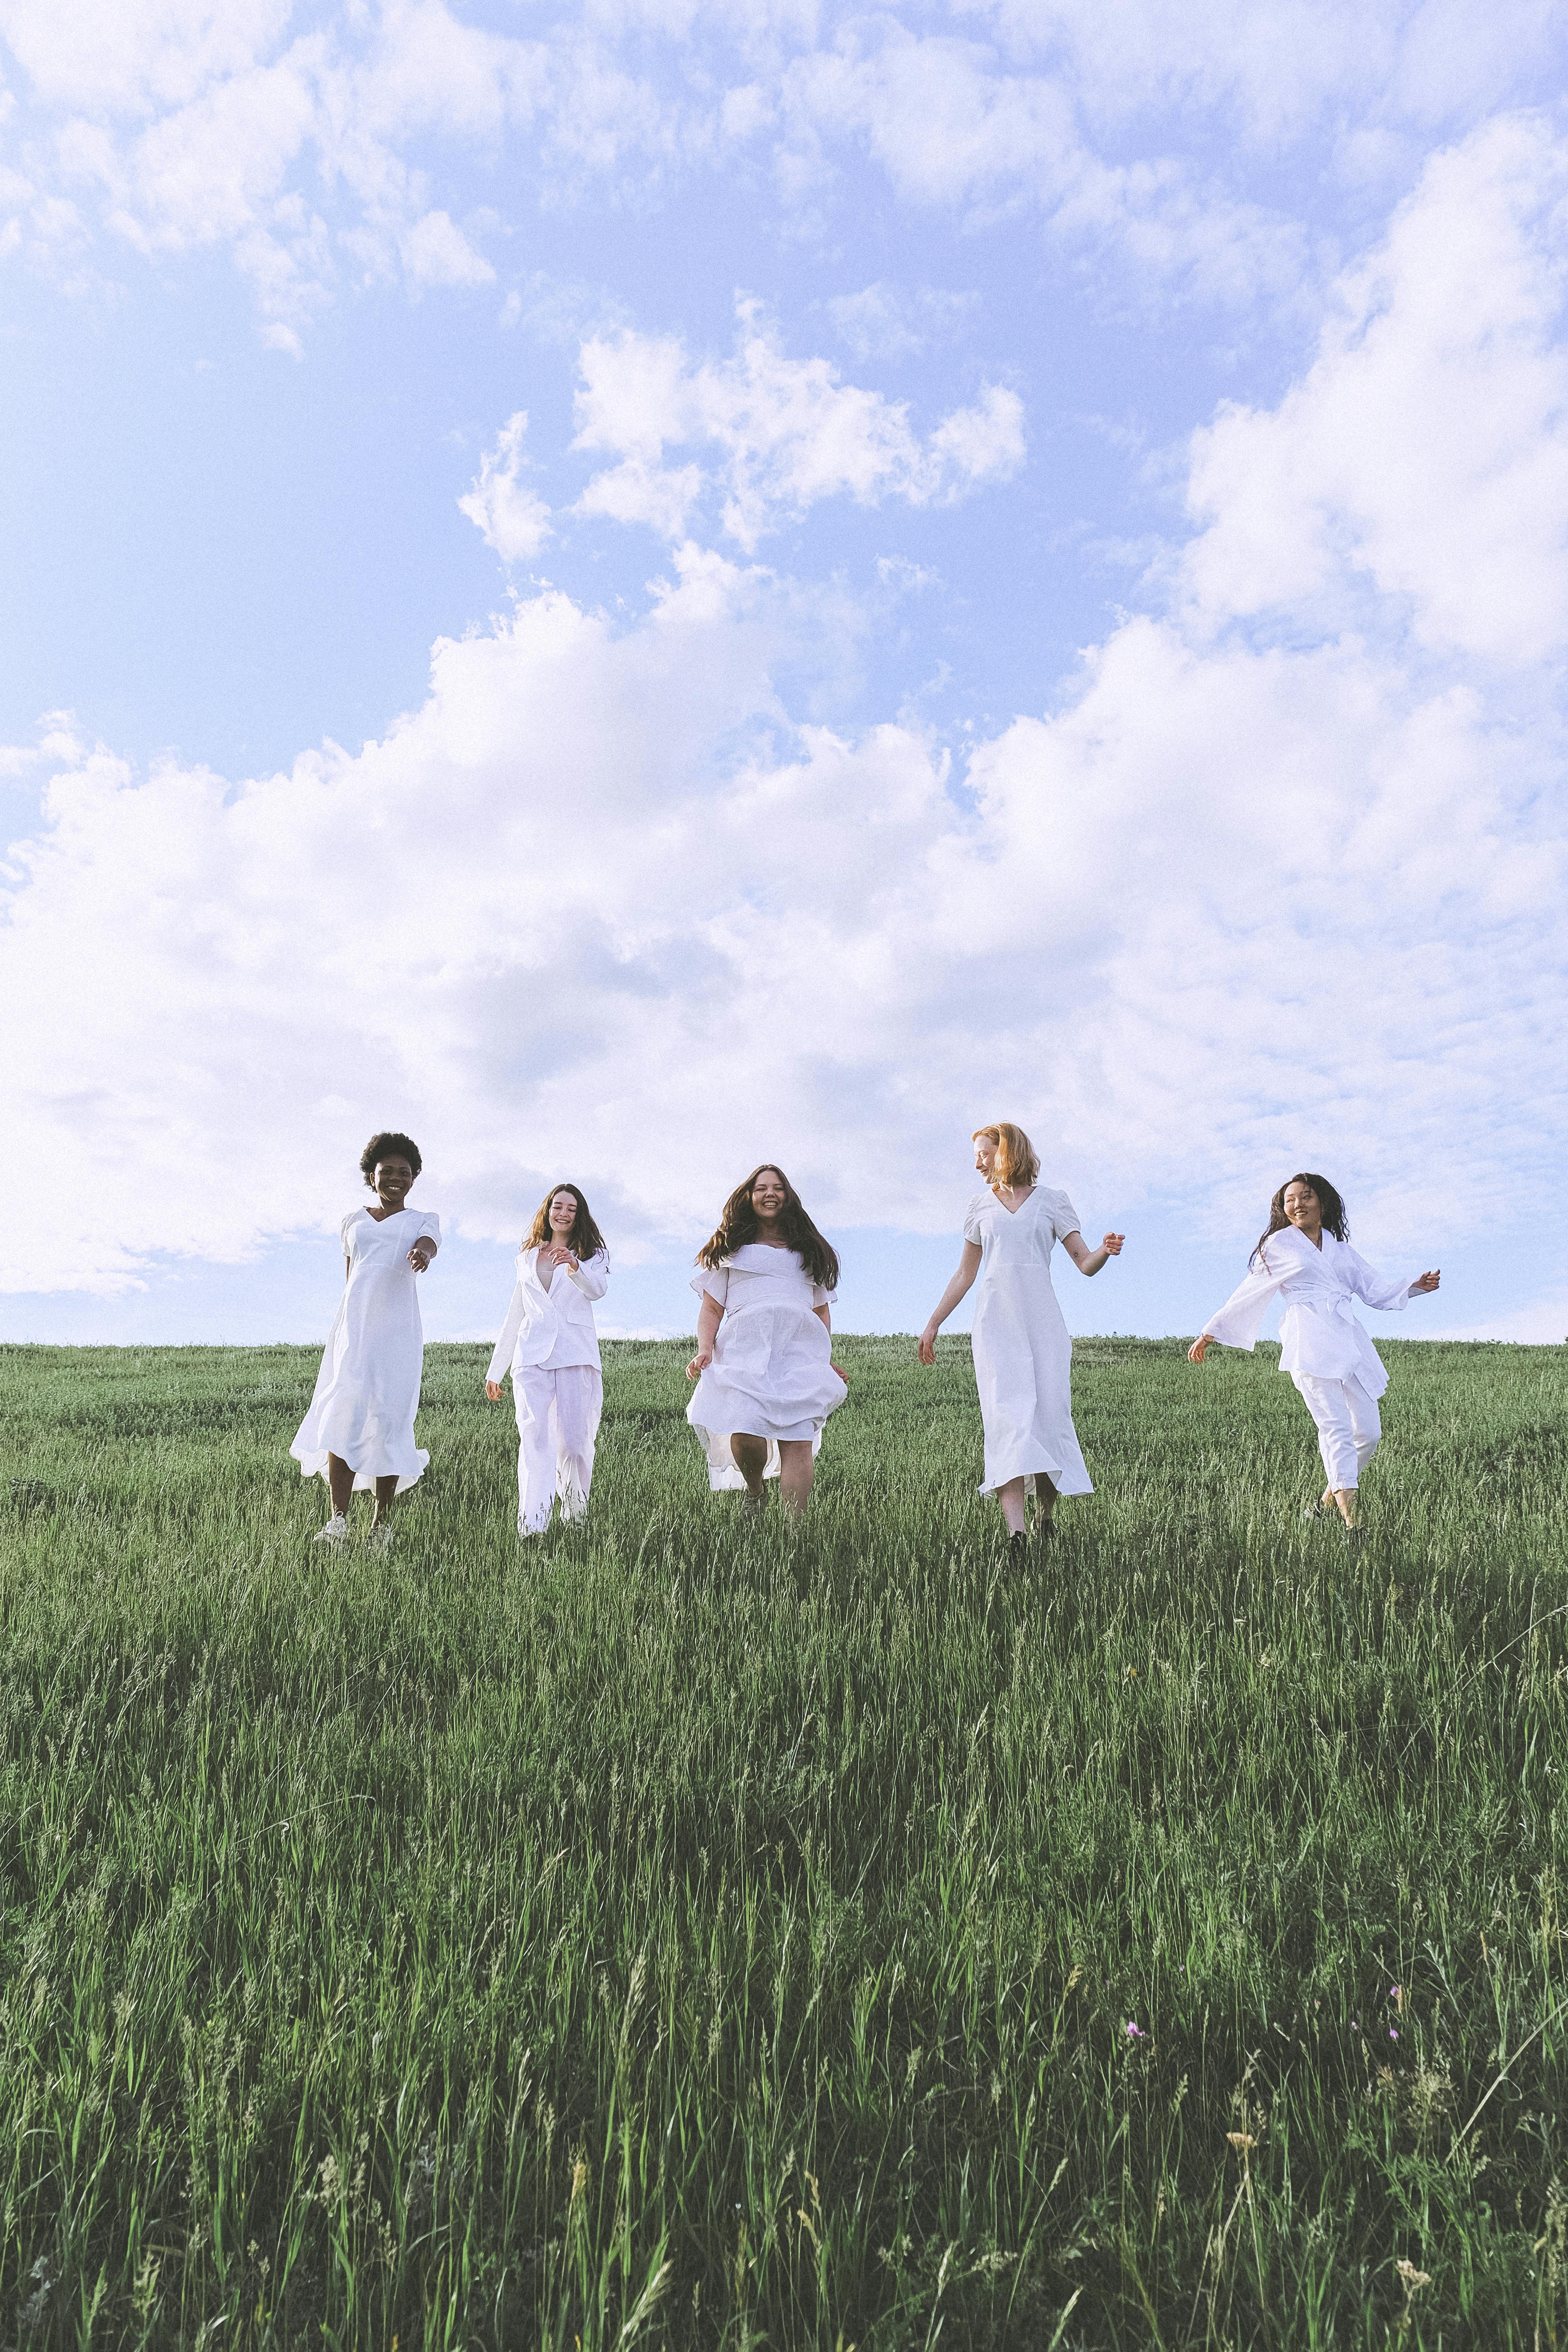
[388, 1146]
[588, 1241]
[738, 1226]
[1335, 1219]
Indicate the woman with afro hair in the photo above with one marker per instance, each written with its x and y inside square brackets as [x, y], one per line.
[766, 1377]
[1304, 1256]
[359, 1431]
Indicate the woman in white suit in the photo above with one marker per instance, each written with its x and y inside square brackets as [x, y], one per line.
[1305, 1258]
[551, 1349]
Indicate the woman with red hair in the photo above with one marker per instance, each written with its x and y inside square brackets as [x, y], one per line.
[1023, 1353]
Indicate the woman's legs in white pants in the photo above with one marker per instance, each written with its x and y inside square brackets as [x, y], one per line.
[557, 1423]
[1347, 1433]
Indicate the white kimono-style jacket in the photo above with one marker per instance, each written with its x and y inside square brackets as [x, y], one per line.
[1320, 1334]
[551, 1327]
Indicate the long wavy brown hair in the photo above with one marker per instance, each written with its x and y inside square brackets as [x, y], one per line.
[738, 1226]
[586, 1239]
[1017, 1164]
[1332, 1208]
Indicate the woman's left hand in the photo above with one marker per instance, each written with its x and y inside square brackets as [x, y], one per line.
[1425, 1282]
[1111, 1245]
[842, 1374]
[420, 1255]
[559, 1254]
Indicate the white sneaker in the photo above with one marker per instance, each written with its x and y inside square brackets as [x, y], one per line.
[380, 1537]
[336, 1530]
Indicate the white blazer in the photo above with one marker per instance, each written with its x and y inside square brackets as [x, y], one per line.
[553, 1327]
[1320, 1332]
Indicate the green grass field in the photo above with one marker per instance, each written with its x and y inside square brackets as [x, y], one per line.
[688, 1934]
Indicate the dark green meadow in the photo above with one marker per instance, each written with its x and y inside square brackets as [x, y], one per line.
[687, 1934]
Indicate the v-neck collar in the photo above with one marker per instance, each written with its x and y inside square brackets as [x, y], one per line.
[1023, 1204]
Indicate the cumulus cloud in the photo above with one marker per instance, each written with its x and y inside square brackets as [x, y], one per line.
[779, 434]
[1423, 456]
[1249, 894]
[512, 518]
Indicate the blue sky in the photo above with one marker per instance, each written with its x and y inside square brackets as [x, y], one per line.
[638, 588]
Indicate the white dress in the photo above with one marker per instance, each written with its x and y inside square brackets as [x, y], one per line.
[367, 1390]
[771, 1375]
[1023, 1351]
[551, 1347]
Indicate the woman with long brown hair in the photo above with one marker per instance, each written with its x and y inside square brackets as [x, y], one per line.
[766, 1377]
[1023, 1354]
[1304, 1256]
[549, 1344]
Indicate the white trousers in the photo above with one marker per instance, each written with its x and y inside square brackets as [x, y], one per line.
[557, 1422]
[1348, 1426]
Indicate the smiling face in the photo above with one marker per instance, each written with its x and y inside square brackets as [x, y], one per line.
[562, 1214]
[986, 1155]
[392, 1178]
[1303, 1208]
[768, 1196]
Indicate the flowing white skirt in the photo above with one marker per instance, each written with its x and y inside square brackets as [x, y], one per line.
[1023, 1368]
[771, 1376]
[367, 1394]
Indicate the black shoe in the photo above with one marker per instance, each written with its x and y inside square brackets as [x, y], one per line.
[1045, 1526]
[1019, 1542]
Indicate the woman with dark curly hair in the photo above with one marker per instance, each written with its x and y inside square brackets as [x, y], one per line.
[766, 1377]
[1304, 1256]
[359, 1431]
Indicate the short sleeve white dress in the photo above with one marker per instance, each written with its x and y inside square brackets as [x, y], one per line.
[367, 1390]
[1023, 1351]
[771, 1375]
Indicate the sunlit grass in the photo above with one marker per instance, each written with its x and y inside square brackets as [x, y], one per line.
[683, 1934]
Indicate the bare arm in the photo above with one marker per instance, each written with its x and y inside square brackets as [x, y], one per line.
[1090, 1261]
[709, 1316]
[959, 1287]
[825, 1320]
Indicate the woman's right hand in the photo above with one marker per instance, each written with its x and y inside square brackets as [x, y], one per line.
[699, 1363]
[1199, 1349]
[492, 1389]
[925, 1345]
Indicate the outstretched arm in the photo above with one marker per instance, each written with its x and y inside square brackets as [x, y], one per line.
[1236, 1323]
[959, 1287]
[1090, 1261]
[708, 1316]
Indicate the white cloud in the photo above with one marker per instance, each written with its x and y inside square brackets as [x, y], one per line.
[1245, 901]
[515, 522]
[1424, 455]
[436, 252]
[323, 148]
[781, 432]
[888, 323]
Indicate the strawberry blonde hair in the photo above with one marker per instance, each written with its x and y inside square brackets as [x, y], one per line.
[1017, 1164]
